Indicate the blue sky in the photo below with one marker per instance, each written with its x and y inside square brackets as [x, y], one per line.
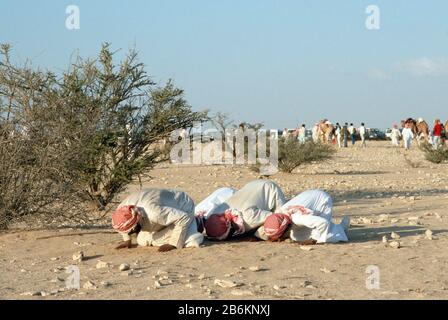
[277, 62]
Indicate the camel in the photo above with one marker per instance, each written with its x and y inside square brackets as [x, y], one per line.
[325, 131]
[420, 128]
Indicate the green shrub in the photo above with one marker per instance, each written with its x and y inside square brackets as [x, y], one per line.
[292, 153]
[435, 155]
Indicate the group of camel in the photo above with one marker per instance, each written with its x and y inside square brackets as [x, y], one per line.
[420, 128]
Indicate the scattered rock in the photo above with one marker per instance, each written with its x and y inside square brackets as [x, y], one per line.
[325, 270]
[306, 248]
[238, 292]
[105, 284]
[31, 293]
[395, 244]
[305, 283]
[384, 239]
[225, 283]
[157, 284]
[102, 264]
[127, 273]
[310, 286]
[428, 234]
[44, 294]
[89, 285]
[124, 267]
[394, 220]
[201, 276]
[394, 235]
[78, 257]
[255, 268]
[54, 259]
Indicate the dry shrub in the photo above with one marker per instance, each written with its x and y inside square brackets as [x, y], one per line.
[438, 156]
[292, 153]
[70, 143]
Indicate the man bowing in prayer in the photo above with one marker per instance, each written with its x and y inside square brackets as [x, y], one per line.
[245, 211]
[306, 219]
[159, 217]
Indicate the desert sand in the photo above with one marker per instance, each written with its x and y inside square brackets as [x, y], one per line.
[377, 187]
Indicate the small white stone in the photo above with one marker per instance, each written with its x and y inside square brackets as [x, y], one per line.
[238, 292]
[428, 234]
[31, 293]
[123, 267]
[201, 276]
[102, 264]
[89, 285]
[79, 256]
[395, 244]
[255, 268]
[306, 248]
[225, 283]
[157, 284]
[384, 239]
[325, 270]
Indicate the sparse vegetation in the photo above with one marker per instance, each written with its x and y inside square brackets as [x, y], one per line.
[76, 140]
[439, 155]
[292, 153]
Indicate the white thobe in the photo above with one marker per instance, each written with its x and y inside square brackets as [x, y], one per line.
[206, 206]
[408, 135]
[256, 201]
[317, 225]
[395, 135]
[167, 218]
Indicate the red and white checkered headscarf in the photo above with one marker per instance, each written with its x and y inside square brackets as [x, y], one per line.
[276, 224]
[125, 218]
[218, 226]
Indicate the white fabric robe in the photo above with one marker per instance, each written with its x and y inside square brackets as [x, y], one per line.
[408, 135]
[318, 224]
[209, 204]
[256, 201]
[395, 136]
[167, 218]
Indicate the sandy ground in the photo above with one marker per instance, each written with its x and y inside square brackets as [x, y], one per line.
[381, 190]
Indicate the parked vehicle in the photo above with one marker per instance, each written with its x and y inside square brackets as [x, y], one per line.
[375, 134]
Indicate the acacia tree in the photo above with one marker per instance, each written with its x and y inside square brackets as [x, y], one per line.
[88, 133]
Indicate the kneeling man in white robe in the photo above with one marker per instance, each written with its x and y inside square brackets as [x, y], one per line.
[244, 212]
[161, 218]
[307, 219]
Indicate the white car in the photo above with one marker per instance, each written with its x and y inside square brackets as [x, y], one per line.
[389, 134]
